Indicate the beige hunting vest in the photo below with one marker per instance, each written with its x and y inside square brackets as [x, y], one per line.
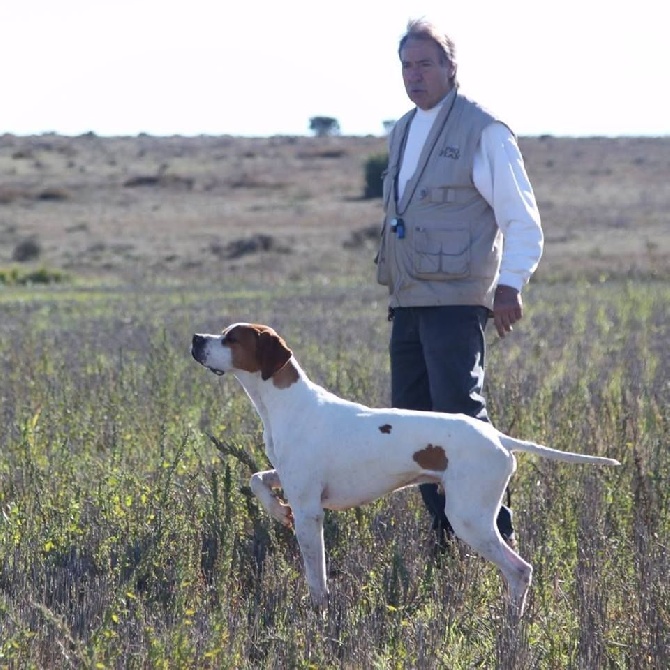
[440, 243]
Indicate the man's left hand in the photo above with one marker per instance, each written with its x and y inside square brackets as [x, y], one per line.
[507, 309]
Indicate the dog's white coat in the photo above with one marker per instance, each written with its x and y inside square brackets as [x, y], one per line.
[331, 453]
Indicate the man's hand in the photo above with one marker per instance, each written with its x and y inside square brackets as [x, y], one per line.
[507, 309]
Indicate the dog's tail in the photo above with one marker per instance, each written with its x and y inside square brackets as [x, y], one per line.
[513, 444]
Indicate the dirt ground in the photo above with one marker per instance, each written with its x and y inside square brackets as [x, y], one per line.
[177, 207]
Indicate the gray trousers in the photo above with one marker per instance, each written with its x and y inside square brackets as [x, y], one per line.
[437, 363]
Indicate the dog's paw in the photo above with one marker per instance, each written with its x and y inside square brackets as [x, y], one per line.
[319, 601]
[285, 514]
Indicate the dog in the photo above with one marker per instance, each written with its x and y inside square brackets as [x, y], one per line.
[330, 453]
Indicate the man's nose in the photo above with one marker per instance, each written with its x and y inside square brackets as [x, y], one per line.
[414, 74]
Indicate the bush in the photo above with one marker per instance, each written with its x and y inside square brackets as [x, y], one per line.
[53, 194]
[26, 250]
[16, 277]
[374, 170]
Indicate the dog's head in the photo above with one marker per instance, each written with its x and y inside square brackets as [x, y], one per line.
[242, 346]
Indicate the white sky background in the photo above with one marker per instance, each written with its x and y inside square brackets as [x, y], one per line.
[236, 67]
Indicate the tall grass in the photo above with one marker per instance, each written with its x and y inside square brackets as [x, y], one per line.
[129, 540]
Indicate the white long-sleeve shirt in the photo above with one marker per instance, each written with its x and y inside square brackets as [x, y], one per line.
[500, 176]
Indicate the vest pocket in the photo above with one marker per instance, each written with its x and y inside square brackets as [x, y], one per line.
[441, 253]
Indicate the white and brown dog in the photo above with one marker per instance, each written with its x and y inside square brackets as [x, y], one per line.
[330, 453]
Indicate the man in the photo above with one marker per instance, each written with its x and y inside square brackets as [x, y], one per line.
[461, 238]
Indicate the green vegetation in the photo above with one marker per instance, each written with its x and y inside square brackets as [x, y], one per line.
[25, 277]
[129, 540]
[373, 171]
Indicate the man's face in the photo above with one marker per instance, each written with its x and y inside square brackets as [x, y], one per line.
[426, 77]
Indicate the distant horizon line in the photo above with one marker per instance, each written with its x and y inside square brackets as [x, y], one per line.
[141, 134]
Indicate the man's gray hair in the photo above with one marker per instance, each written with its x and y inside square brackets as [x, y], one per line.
[422, 29]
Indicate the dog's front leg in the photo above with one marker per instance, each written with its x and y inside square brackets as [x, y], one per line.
[262, 485]
[309, 530]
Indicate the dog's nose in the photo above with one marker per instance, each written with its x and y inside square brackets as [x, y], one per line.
[197, 343]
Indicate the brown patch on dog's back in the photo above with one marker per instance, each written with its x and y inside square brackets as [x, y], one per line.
[386, 429]
[431, 457]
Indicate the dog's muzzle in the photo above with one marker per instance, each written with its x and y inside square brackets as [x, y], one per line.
[199, 352]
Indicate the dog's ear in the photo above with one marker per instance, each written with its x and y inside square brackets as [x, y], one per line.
[273, 354]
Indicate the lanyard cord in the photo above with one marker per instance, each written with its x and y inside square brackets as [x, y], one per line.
[425, 163]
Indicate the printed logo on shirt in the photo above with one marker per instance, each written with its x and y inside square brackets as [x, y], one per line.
[450, 152]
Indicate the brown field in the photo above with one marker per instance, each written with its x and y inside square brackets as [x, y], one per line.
[180, 207]
[129, 540]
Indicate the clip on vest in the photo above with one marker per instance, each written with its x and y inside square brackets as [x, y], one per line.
[398, 227]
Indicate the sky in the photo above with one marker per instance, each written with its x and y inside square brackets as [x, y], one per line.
[265, 67]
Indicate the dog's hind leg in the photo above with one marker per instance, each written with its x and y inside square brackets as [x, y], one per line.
[472, 510]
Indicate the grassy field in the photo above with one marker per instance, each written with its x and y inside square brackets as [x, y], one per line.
[128, 538]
